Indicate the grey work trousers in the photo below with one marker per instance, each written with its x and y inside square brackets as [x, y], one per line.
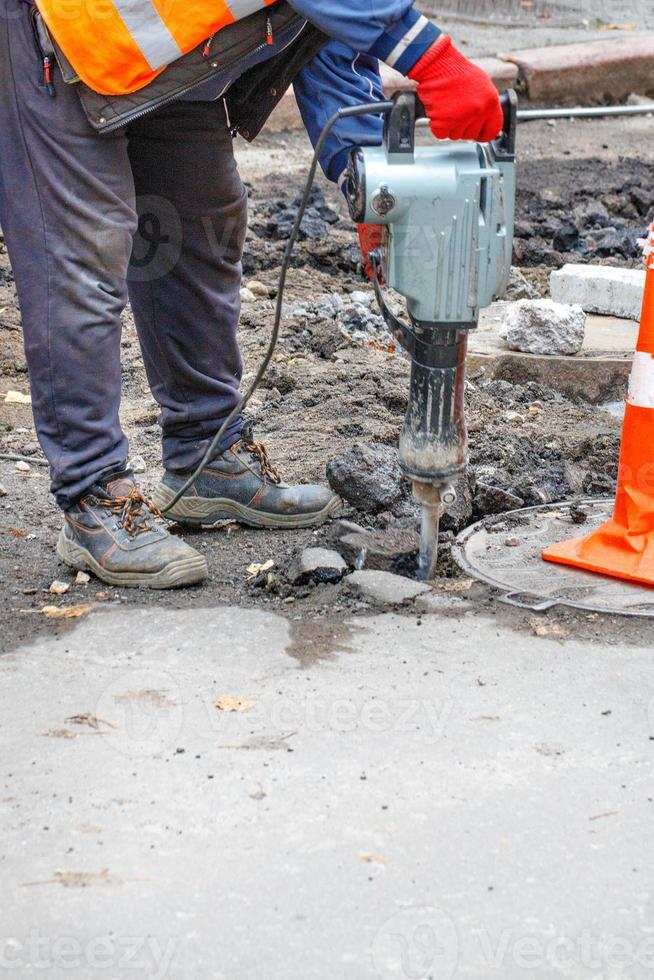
[155, 211]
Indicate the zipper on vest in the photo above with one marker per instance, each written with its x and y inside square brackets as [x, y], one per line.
[206, 51]
[270, 39]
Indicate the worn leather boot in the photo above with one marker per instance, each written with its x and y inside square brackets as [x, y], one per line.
[243, 485]
[113, 533]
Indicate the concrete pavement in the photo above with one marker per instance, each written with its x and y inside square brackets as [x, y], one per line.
[400, 798]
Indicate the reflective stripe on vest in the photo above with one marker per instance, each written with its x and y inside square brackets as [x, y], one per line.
[119, 46]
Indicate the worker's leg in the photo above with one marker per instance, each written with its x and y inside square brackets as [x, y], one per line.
[66, 210]
[185, 276]
[187, 313]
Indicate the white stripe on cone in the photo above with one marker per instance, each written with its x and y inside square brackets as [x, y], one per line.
[641, 381]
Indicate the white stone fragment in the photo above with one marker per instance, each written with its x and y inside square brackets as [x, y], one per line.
[22, 466]
[59, 588]
[247, 296]
[540, 326]
[636, 99]
[600, 289]
[384, 588]
[258, 288]
[358, 296]
[321, 564]
[137, 464]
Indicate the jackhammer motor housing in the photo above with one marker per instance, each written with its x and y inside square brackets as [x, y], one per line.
[449, 211]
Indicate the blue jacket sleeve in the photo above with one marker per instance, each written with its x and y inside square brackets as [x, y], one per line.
[390, 30]
[338, 77]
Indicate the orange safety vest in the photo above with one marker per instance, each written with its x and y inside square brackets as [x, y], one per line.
[119, 46]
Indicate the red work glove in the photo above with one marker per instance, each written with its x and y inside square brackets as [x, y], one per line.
[460, 99]
[371, 238]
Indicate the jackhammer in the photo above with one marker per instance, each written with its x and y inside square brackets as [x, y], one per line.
[449, 212]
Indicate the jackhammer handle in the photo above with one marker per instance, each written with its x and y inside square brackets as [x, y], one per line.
[504, 145]
[400, 123]
[409, 109]
[421, 112]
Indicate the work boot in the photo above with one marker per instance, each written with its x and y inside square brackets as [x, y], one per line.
[243, 485]
[113, 533]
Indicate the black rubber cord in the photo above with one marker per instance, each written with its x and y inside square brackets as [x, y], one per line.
[375, 108]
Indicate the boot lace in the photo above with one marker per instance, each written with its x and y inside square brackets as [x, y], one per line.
[260, 453]
[134, 512]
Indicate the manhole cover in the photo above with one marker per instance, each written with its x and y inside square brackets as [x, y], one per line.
[505, 551]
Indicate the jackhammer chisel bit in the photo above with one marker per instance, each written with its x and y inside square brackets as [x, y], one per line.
[449, 209]
[429, 525]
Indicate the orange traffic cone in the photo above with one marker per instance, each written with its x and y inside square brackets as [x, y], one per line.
[624, 546]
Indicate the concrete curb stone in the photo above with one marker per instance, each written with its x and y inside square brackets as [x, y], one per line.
[590, 73]
[600, 289]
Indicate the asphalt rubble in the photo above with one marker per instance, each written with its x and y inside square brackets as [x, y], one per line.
[520, 457]
[574, 225]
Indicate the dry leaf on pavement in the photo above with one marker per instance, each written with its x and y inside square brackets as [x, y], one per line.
[543, 628]
[227, 702]
[255, 569]
[456, 585]
[65, 612]
[373, 858]
[90, 720]
[79, 879]
[61, 733]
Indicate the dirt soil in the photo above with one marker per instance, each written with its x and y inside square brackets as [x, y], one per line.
[335, 384]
